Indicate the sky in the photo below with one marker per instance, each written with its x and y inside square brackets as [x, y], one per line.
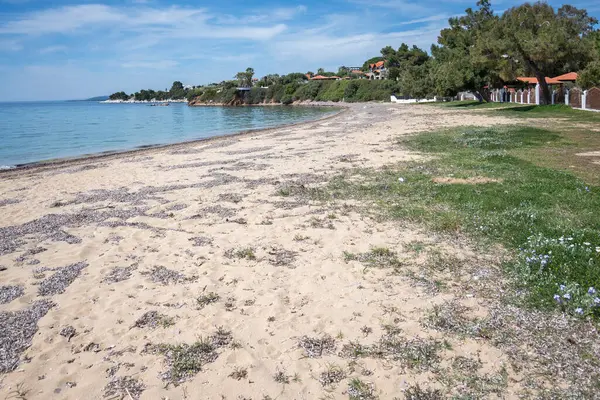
[60, 49]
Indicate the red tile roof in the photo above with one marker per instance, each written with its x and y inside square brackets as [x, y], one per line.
[377, 64]
[571, 76]
[321, 78]
[357, 72]
[549, 81]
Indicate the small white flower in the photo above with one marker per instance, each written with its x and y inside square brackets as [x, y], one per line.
[591, 291]
[587, 243]
[579, 311]
[400, 180]
[557, 298]
[562, 288]
[567, 296]
[597, 301]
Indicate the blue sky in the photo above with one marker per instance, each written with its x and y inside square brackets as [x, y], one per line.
[78, 49]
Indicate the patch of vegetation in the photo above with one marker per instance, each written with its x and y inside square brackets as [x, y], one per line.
[242, 253]
[377, 257]
[186, 360]
[522, 205]
[154, 319]
[359, 390]
[124, 387]
[415, 392]
[333, 374]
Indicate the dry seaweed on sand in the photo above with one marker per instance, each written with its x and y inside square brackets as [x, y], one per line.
[61, 279]
[199, 241]
[153, 319]
[68, 332]
[8, 293]
[124, 387]
[332, 375]
[165, 276]
[17, 328]
[281, 257]
[30, 252]
[316, 347]
[118, 274]
[6, 202]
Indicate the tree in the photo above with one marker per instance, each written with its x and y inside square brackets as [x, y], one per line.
[590, 76]
[245, 78]
[544, 42]
[464, 58]
[320, 71]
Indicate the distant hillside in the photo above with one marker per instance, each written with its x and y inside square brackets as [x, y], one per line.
[97, 98]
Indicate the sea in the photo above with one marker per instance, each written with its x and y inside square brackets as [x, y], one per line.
[39, 131]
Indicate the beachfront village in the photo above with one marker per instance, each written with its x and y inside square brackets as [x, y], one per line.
[531, 53]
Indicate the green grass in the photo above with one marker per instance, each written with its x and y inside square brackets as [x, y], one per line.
[560, 111]
[522, 201]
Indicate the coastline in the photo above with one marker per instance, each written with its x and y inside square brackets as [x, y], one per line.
[85, 158]
[109, 261]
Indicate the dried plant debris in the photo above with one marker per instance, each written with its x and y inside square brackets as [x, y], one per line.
[239, 373]
[61, 279]
[451, 317]
[68, 332]
[316, 347]
[124, 387]
[6, 202]
[186, 360]
[206, 299]
[377, 257]
[281, 257]
[17, 328]
[78, 169]
[333, 374]
[154, 319]
[220, 211]
[231, 197]
[415, 353]
[51, 226]
[281, 377]
[167, 212]
[8, 293]
[165, 276]
[118, 274]
[114, 239]
[248, 150]
[415, 392]
[31, 252]
[241, 166]
[200, 241]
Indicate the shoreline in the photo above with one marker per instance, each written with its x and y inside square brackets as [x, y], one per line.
[44, 165]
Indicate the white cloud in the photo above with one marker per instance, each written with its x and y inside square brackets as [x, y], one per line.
[171, 22]
[399, 5]
[433, 18]
[160, 64]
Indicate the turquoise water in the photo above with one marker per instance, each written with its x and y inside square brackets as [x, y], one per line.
[39, 131]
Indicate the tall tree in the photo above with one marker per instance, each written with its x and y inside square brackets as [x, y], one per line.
[245, 78]
[464, 59]
[546, 42]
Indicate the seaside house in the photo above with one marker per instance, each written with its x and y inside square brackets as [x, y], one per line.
[377, 71]
[325, 78]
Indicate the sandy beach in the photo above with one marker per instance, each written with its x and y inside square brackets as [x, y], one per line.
[123, 272]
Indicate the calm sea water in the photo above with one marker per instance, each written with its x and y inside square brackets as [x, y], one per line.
[39, 131]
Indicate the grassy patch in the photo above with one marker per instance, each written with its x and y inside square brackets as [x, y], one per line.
[243, 253]
[154, 319]
[560, 111]
[377, 257]
[524, 206]
[359, 390]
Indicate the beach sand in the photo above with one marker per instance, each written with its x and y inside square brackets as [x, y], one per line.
[203, 242]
